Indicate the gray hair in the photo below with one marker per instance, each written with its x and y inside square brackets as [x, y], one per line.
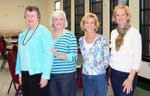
[56, 14]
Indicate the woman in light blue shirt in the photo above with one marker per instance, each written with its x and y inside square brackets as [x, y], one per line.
[63, 75]
[95, 52]
[34, 59]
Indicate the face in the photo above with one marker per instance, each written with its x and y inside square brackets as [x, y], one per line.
[89, 24]
[121, 17]
[31, 18]
[59, 22]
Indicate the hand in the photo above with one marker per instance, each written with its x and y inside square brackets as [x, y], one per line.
[127, 85]
[53, 50]
[43, 83]
[109, 82]
[58, 55]
[20, 80]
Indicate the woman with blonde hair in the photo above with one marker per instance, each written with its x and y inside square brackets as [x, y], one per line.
[125, 53]
[95, 52]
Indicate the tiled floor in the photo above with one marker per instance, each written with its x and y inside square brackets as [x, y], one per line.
[5, 80]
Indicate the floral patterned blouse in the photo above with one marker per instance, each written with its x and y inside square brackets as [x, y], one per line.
[96, 60]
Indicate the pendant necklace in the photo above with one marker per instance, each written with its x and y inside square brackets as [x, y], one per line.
[24, 43]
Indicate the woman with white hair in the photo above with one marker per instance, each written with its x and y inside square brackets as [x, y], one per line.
[63, 75]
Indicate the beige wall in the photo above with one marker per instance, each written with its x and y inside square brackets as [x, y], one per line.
[72, 16]
[134, 8]
[106, 19]
[12, 13]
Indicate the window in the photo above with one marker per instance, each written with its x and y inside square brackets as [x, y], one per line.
[145, 28]
[79, 13]
[96, 6]
[67, 9]
[57, 5]
[124, 2]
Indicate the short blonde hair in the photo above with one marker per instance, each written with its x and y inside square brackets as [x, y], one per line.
[86, 16]
[125, 8]
[56, 14]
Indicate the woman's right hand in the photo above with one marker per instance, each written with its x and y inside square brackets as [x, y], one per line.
[60, 56]
[53, 50]
[109, 81]
[20, 80]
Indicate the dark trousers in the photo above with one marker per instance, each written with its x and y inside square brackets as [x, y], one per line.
[31, 87]
[117, 79]
[63, 84]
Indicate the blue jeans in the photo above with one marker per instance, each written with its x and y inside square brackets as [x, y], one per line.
[117, 79]
[94, 85]
[63, 84]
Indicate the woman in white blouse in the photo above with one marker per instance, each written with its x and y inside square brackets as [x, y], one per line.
[125, 53]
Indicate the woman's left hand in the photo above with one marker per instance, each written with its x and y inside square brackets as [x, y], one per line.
[43, 83]
[127, 85]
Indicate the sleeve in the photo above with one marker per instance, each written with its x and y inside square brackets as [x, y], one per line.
[47, 44]
[137, 51]
[72, 47]
[106, 53]
[18, 64]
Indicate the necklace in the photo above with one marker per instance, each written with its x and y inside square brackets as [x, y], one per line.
[24, 43]
[91, 38]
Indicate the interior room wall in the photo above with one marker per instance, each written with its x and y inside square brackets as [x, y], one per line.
[12, 13]
[134, 8]
[106, 19]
